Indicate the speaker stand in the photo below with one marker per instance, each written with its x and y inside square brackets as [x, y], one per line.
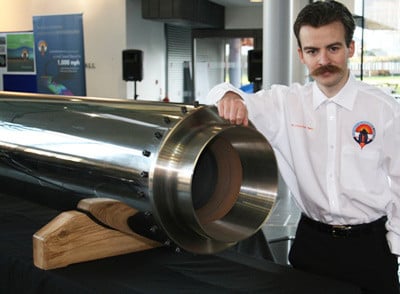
[257, 84]
[134, 91]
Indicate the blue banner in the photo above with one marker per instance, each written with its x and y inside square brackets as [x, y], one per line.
[60, 61]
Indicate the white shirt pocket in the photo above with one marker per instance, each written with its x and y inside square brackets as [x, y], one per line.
[360, 170]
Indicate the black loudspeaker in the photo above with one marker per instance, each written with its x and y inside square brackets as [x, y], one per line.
[254, 63]
[132, 65]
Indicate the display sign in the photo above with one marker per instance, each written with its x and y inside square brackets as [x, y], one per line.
[60, 62]
[17, 62]
[20, 54]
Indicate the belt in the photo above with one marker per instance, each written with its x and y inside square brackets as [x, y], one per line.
[346, 230]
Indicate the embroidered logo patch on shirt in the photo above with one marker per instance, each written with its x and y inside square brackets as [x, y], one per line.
[363, 133]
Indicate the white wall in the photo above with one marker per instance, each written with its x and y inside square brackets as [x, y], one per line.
[15, 15]
[104, 36]
[111, 26]
[149, 37]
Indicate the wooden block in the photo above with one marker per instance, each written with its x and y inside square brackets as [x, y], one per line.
[73, 237]
[110, 212]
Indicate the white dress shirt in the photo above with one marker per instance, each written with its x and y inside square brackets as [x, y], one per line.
[339, 156]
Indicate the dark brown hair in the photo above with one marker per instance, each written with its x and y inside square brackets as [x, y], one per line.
[321, 13]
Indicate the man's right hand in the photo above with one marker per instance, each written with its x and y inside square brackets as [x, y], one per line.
[232, 107]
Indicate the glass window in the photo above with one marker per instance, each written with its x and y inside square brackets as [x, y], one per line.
[377, 57]
[222, 56]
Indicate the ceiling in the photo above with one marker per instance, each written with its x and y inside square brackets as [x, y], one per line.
[236, 3]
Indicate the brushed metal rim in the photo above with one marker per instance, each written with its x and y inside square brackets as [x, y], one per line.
[243, 209]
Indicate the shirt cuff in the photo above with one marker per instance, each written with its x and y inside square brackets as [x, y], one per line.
[217, 92]
[394, 243]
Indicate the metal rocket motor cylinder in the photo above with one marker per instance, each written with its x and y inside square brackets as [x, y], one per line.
[207, 183]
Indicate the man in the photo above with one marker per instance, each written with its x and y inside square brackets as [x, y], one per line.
[336, 140]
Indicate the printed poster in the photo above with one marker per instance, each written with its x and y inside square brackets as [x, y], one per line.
[19, 54]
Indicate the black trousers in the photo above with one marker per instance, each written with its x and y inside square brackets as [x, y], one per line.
[364, 260]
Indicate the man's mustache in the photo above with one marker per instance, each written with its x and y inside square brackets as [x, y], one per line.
[326, 68]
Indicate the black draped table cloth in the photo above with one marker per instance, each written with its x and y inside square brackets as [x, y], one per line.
[159, 270]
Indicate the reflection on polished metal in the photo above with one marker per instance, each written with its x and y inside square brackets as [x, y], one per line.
[207, 183]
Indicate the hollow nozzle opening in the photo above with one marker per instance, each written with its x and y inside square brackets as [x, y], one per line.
[233, 185]
[216, 181]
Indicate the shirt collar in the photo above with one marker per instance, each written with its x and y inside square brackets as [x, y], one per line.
[345, 98]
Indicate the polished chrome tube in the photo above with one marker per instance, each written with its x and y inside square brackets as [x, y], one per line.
[208, 184]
